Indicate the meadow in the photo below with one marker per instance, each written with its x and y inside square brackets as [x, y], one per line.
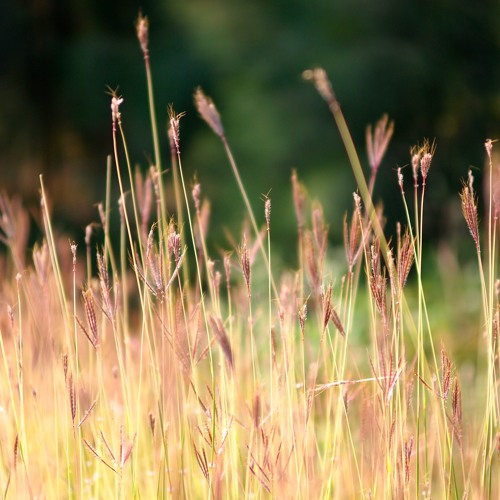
[148, 366]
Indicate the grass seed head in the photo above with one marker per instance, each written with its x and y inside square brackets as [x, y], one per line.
[72, 397]
[267, 213]
[327, 306]
[488, 145]
[469, 210]
[408, 449]
[302, 314]
[222, 338]
[400, 180]
[142, 28]
[196, 193]
[298, 199]
[320, 79]
[174, 121]
[405, 257]
[456, 409]
[116, 115]
[208, 111]
[227, 269]
[445, 373]
[152, 423]
[88, 302]
[378, 140]
[245, 263]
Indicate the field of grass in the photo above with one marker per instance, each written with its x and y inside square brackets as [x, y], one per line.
[146, 367]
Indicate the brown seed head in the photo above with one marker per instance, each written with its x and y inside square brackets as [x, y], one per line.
[415, 161]
[377, 142]
[335, 319]
[400, 180]
[256, 410]
[73, 247]
[223, 339]
[357, 203]
[352, 239]
[88, 302]
[217, 281]
[456, 409]
[105, 286]
[405, 257]
[425, 165]
[469, 210]
[327, 306]
[208, 111]
[408, 448]
[488, 145]
[245, 263]
[116, 116]
[65, 365]
[142, 28]
[227, 269]
[72, 397]
[174, 245]
[302, 313]
[196, 193]
[298, 199]
[320, 79]
[445, 373]
[174, 120]
[152, 422]
[88, 234]
[267, 212]
[378, 281]
[15, 451]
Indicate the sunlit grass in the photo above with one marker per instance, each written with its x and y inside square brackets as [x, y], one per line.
[148, 367]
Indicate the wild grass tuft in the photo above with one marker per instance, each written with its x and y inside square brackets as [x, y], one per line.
[158, 369]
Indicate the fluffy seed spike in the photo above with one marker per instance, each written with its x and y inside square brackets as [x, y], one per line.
[208, 111]
[378, 141]
[320, 79]
[267, 212]
[469, 210]
[245, 263]
[174, 121]
[142, 28]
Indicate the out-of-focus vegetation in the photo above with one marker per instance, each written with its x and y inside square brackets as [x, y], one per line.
[432, 66]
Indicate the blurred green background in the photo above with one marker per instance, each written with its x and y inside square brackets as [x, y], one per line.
[433, 66]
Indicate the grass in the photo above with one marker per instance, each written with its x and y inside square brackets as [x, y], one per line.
[175, 373]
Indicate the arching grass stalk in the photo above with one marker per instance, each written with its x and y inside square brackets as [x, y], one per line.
[209, 113]
[319, 78]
